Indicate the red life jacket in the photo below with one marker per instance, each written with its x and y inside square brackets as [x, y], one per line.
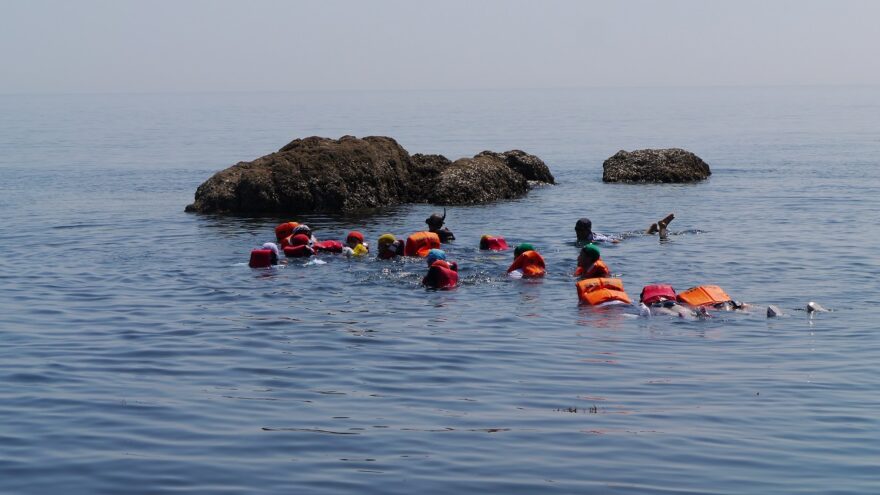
[261, 258]
[328, 247]
[301, 251]
[440, 276]
[656, 293]
[420, 243]
[531, 263]
[595, 291]
[493, 244]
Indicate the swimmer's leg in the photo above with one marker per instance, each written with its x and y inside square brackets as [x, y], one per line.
[662, 224]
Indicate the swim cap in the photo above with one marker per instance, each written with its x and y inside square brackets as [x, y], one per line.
[522, 248]
[302, 229]
[272, 247]
[299, 240]
[434, 255]
[583, 223]
[386, 239]
[591, 252]
[434, 220]
[354, 234]
[484, 241]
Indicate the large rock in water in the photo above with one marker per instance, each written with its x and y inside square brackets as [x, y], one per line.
[321, 174]
[655, 165]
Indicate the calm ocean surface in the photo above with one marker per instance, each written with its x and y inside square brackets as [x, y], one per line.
[139, 353]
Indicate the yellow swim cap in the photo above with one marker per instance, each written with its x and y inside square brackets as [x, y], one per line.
[386, 239]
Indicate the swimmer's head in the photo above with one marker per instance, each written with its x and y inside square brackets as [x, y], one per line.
[522, 248]
[354, 238]
[303, 229]
[435, 221]
[588, 255]
[271, 246]
[484, 241]
[435, 255]
[386, 239]
[299, 240]
[584, 229]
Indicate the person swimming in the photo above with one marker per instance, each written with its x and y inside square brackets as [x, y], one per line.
[590, 265]
[306, 231]
[441, 274]
[389, 247]
[492, 243]
[355, 245]
[583, 228]
[527, 262]
[435, 225]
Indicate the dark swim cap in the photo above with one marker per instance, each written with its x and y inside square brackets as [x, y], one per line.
[522, 248]
[591, 252]
[583, 223]
[436, 219]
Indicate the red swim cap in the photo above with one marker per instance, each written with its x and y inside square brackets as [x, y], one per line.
[299, 240]
[354, 234]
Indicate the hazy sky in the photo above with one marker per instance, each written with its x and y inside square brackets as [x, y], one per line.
[224, 45]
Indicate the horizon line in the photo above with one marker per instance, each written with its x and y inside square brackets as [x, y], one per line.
[432, 90]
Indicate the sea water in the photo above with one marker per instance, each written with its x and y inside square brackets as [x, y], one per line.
[140, 354]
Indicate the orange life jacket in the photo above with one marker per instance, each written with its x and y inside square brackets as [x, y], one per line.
[595, 291]
[704, 295]
[420, 243]
[656, 293]
[598, 270]
[531, 263]
[285, 229]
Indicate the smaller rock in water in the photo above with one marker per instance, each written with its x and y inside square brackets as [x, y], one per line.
[655, 165]
[773, 311]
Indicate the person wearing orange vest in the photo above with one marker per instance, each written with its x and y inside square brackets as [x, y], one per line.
[435, 225]
[527, 263]
[589, 264]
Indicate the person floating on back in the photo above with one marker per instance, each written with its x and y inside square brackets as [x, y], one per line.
[441, 274]
[585, 235]
[435, 225]
[389, 247]
[590, 265]
[527, 263]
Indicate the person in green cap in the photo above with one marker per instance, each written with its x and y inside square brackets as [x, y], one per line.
[527, 263]
[589, 264]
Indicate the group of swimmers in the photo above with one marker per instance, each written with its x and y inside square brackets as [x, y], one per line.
[595, 284]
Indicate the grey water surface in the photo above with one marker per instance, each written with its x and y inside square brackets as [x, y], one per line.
[139, 353]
